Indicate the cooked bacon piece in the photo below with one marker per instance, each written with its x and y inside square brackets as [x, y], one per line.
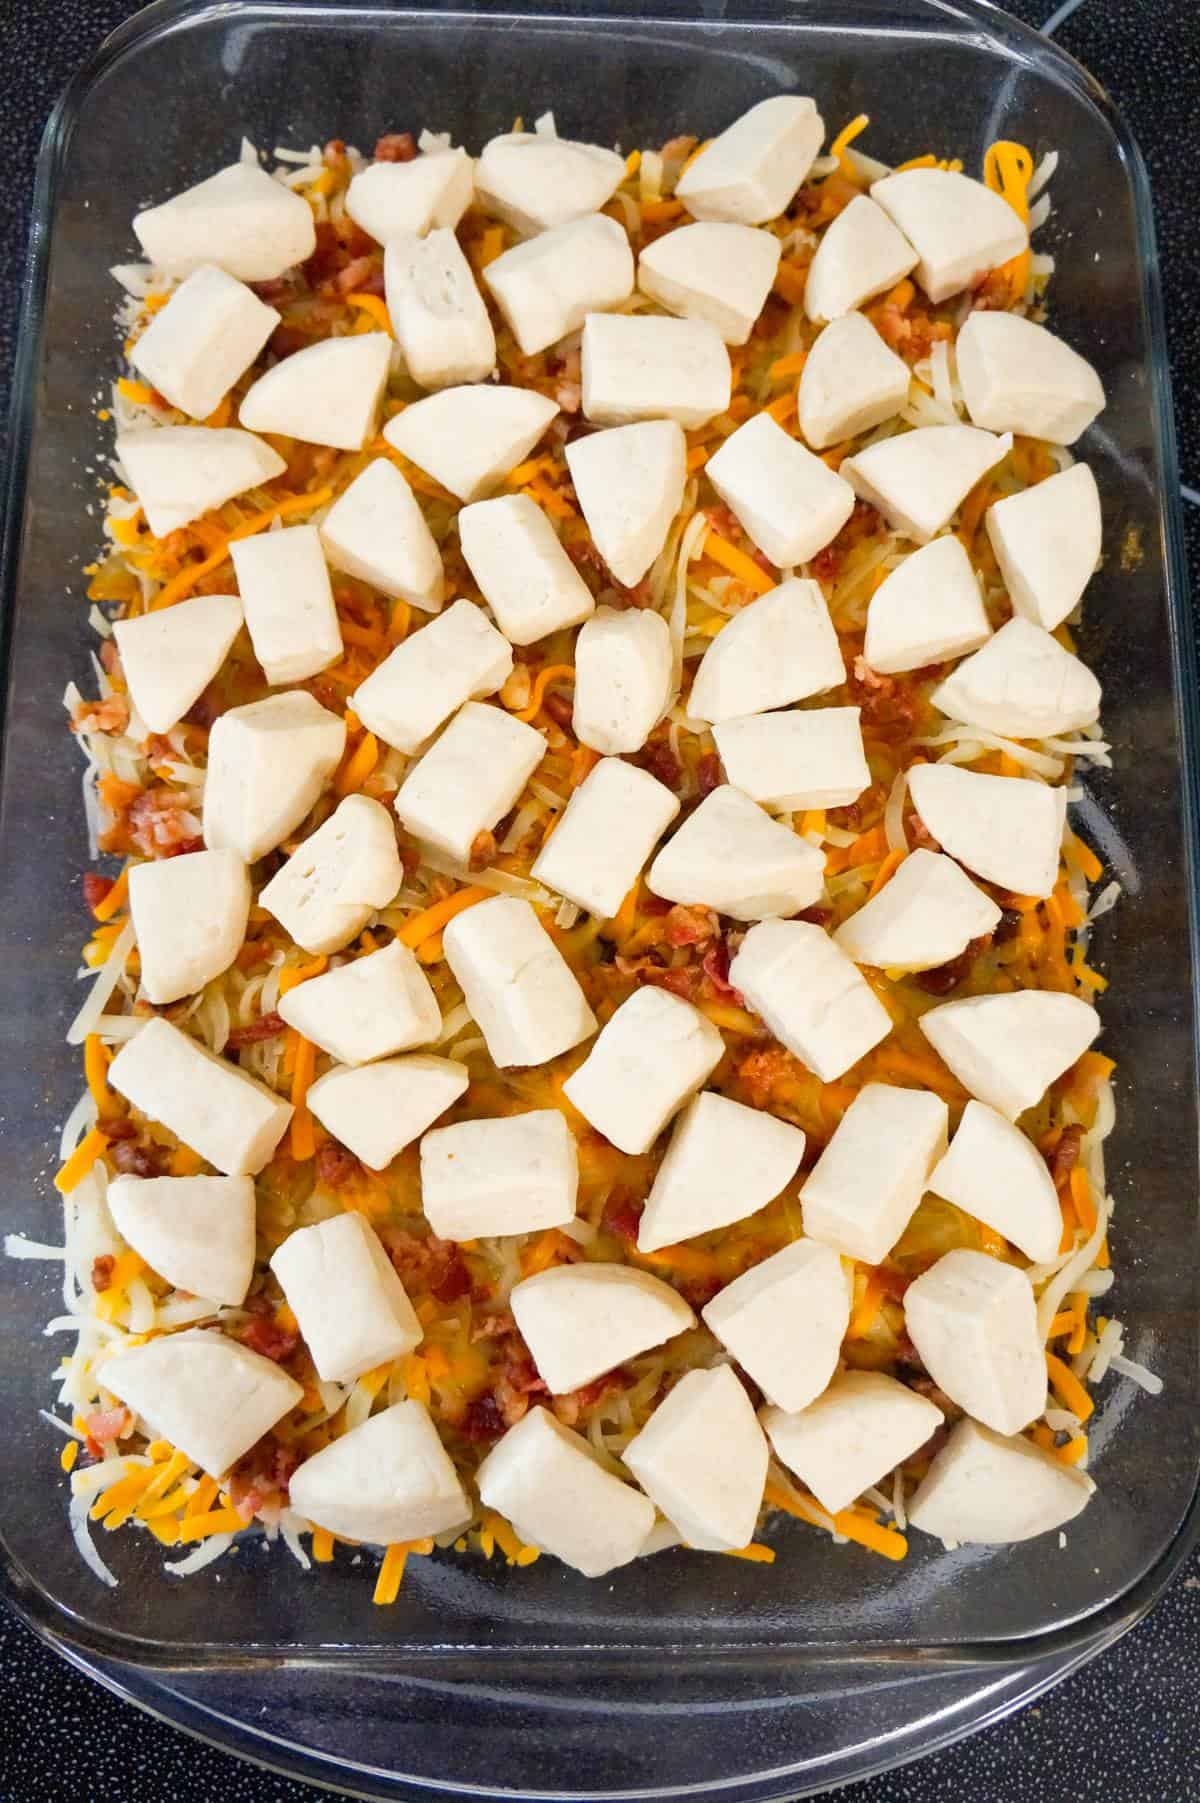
[659, 760]
[265, 1027]
[715, 965]
[623, 1217]
[108, 1424]
[95, 888]
[162, 823]
[260, 1479]
[395, 147]
[482, 1421]
[364, 275]
[430, 1263]
[102, 1270]
[561, 710]
[690, 926]
[109, 715]
[483, 851]
[708, 773]
[682, 980]
[265, 1336]
[335, 1165]
[572, 1405]
[1065, 1155]
[491, 1327]
[139, 1157]
[944, 978]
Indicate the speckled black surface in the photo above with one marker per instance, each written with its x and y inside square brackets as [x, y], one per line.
[1127, 1727]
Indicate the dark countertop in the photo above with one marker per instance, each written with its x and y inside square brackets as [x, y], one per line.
[1127, 1727]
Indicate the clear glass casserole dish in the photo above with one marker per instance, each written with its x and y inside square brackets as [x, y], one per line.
[765, 1680]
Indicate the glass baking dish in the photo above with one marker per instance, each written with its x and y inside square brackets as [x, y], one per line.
[683, 1646]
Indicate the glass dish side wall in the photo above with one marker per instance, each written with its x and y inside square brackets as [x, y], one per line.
[929, 78]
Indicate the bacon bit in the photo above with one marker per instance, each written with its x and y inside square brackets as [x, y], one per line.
[140, 1158]
[482, 1421]
[95, 888]
[483, 851]
[107, 1425]
[561, 709]
[690, 926]
[109, 715]
[681, 981]
[102, 1270]
[1064, 1156]
[715, 965]
[623, 1217]
[659, 760]
[816, 916]
[395, 147]
[363, 275]
[261, 1477]
[491, 1327]
[266, 1027]
[762, 1070]
[574, 1403]
[946, 977]
[267, 1337]
[335, 1165]
[162, 823]
[708, 773]
[454, 1280]
[569, 395]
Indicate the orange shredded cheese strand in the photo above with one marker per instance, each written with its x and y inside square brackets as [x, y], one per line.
[1081, 1197]
[867, 1307]
[68, 1455]
[422, 926]
[303, 1141]
[375, 308]
[218, 1521]
[657, 212]
[358, 766]
[1073, 1451]
[697, 457]
[140, 393]
[115, 900]
[736, 562]
[300, 973]
[845, 138]
[95, 1069]
[1067, 1386]
[756, 1553]
[322, 1545]
[886, 871]
[785, 367]
[542, 681]
[387, 1585]
[92, 1146]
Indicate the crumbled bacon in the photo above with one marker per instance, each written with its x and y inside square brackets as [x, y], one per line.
[203, 710]
[569, 395]
[335, 1165]
[560, 708]
[722, 519]
[260, 1479]
[682, 980]
[623, 1216]
[265, 1336]
[690, 926]
[483, 851]
[106, 1425]
[708, 773]
[109, 715]
[660, 761]
[162, 823]
[363, 275]
[816, 916]
[1065, 1155]
[95, 888]
[715, 965]
[482, 1421]
[139, 1158]
[490, 1327]
[573, 1404]
[395, 147]
[430, 1263]
[944, 978]
[265, 1027]
[920, 835]
[102, 1271]
[762, 1070]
